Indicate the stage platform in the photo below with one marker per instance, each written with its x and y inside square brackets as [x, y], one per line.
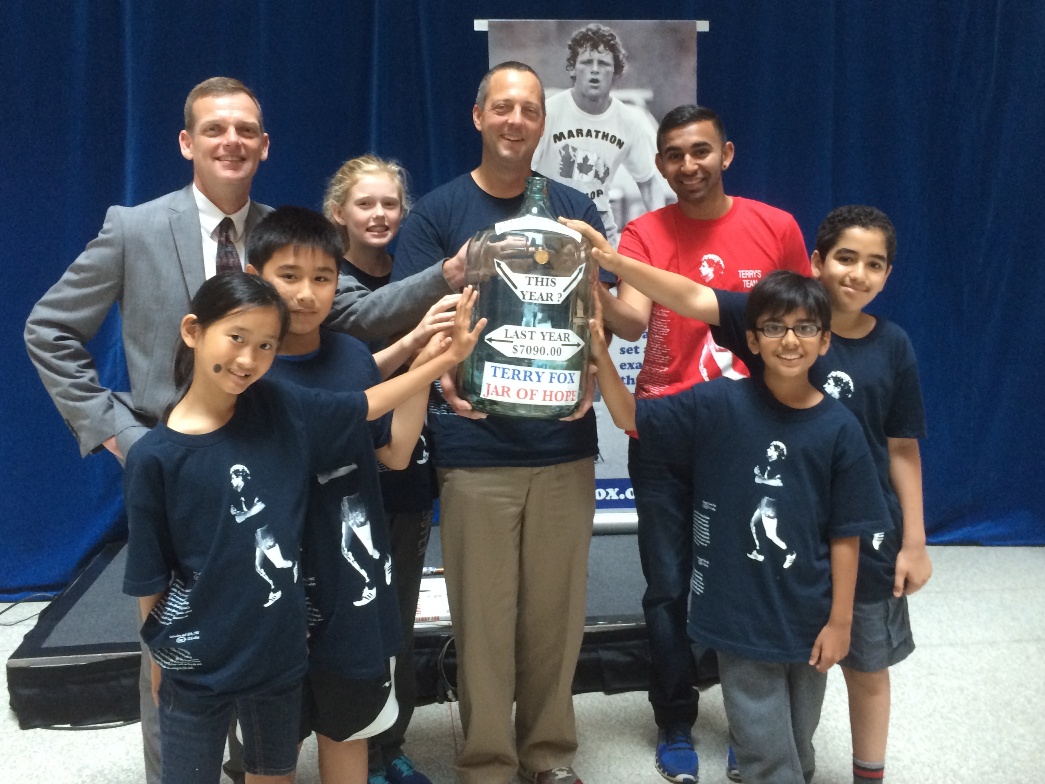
[79, 665]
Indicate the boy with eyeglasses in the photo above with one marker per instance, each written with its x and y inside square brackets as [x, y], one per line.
[870, 367]
[779, 621]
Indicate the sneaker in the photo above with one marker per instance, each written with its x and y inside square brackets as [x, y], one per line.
[378, 777]
[557, 776]
[369, 594]
[676, 757]
[401, 771]
[732, 771]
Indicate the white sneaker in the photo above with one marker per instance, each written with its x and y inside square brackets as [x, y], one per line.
[368, 596]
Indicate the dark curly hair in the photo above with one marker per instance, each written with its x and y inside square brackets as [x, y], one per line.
[596, 36]
[855, 215]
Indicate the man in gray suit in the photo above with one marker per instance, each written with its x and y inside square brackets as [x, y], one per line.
[150, 260]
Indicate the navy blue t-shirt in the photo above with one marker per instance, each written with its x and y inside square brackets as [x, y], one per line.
[353, 614]
[215, 522]
[436, 228]
[340, 364]
[875, 377]
[772, 486]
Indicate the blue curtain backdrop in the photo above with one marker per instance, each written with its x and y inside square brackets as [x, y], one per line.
[932, 111]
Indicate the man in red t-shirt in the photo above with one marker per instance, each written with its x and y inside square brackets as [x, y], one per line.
[727, 242]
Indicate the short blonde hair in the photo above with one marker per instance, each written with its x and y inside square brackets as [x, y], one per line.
[351, 172]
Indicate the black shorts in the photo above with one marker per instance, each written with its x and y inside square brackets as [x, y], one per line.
[343, 708]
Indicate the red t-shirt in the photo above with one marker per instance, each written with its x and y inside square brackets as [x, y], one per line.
[732, 252]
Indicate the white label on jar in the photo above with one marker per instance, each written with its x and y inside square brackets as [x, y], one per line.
[542, 289]
[535, 342]
[533, 223]
[534, 386]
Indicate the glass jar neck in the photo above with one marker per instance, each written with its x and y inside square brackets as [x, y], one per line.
[536, 200]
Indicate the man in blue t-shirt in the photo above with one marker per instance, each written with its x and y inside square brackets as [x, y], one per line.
[517, 495]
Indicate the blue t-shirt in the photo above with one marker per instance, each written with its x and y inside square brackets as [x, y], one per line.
[353, 614]
[875, 377]
[436, 228]
[414, 488]
[772, 486]
[215, 521]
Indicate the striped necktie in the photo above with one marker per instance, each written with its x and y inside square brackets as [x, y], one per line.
[228, 257]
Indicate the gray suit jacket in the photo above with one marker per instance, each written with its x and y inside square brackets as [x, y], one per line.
[148, 259]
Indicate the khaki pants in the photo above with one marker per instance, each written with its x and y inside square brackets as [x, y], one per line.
[515, 550]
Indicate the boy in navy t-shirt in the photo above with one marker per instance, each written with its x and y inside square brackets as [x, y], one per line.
[784, 486]
[871, 369]
[353, 615]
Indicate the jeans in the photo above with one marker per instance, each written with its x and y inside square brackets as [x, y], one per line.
[150, 716]
[193, 731]
[664, 503]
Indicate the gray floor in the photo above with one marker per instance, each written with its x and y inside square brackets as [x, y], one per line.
[968, 706]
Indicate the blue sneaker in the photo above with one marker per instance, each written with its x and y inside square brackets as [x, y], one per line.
[732, 771]
[401, 771]
[676, 757]
[377, 777]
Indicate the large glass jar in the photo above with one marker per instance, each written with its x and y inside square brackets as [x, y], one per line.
[535, 279]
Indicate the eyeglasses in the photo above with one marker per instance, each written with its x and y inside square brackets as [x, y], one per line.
[803, 329]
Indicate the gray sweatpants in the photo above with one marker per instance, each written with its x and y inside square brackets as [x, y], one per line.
[773, 710]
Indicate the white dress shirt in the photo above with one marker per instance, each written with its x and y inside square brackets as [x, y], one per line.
[210, 217]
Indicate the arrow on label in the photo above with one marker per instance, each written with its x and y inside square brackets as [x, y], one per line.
[546, 343]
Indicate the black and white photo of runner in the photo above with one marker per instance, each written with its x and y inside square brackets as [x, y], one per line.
[355, 525]
[266, 548]
[606, 89]
[589, 134]
[765, 515]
